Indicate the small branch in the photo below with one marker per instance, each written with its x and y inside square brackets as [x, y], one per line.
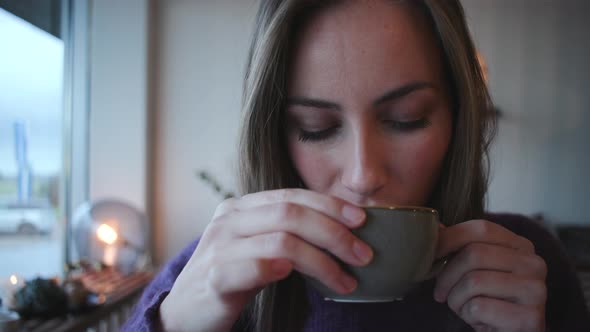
[208, 179]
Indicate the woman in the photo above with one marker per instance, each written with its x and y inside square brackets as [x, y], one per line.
[359, 103]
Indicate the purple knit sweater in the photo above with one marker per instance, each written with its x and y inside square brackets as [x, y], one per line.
[565, 309]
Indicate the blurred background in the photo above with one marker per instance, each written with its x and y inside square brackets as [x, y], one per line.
[131, 100]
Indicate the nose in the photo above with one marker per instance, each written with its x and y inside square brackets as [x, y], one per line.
[365, 169]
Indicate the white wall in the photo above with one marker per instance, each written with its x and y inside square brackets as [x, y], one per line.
[538, 55]
[201, 48]
[537, 52]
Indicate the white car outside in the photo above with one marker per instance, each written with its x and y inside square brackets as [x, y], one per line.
[37, 216]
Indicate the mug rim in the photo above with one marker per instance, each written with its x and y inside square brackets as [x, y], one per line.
[404, 208]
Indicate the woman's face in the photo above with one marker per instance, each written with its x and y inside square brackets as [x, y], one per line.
[368, 112]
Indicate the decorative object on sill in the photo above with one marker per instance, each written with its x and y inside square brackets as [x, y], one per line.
[41, 298]
[118, 293]
[208, 179]
[46, 298]
[83, 266]
[79, 297]
[112, 232]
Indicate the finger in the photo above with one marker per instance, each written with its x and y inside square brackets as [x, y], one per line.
[228, 205]
[502, 315]
[498, 285]
[245, 275]
[483, 328]
[308, 224]
[334, 207]
[453, 238]
[480, 256]
[305, 258]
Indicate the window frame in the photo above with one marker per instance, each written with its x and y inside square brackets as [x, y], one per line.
[76, 22]
[105, 39]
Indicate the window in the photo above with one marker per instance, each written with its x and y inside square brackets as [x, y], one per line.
[32, 214]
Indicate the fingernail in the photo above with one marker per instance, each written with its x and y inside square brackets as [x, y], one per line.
[348, 283]
[281, 267]
[362, 251]
[354, 215]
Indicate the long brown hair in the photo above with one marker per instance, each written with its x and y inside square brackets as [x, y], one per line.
[265, 163]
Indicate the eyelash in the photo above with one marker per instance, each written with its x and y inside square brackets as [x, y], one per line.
[401, 126]
[316, 136]
[405, 126]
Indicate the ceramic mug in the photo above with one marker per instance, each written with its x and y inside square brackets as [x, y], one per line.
[404, 241]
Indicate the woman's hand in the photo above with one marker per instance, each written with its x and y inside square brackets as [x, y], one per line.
[494, 281]
[259, 239]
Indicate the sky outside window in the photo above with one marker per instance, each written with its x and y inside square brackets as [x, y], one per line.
[31, 81]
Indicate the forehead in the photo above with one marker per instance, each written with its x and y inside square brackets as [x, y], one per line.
[364, 43]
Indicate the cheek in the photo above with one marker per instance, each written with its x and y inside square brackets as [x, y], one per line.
[315, 167]
[420, 169]
[422, 164]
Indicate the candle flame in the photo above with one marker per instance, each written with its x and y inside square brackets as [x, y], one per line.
[106, 234]
[13, 279]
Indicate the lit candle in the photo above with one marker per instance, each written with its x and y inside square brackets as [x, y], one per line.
[108, 236]
[9, 287]
[110, 255]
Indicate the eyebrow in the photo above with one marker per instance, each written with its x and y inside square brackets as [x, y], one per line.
[310, 102]
[387, 97]
[402, 92]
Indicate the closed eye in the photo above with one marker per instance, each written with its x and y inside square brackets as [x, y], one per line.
[317, 135]
[406, 126]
